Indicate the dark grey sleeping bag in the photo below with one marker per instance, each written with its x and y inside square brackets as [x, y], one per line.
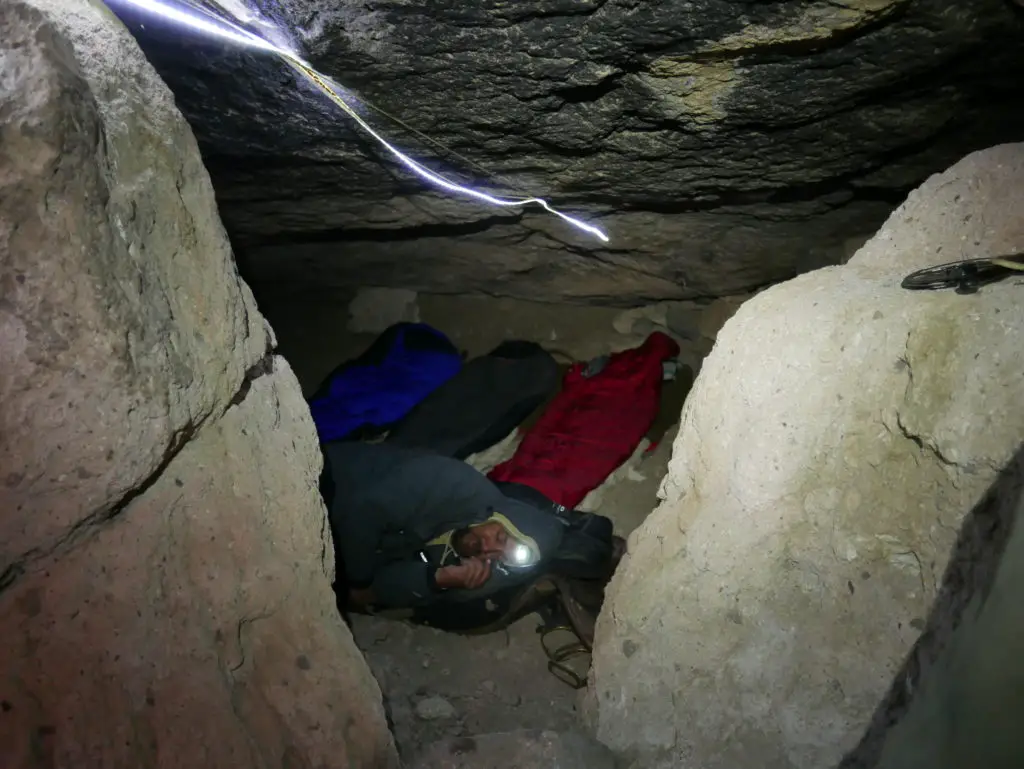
[482, 404]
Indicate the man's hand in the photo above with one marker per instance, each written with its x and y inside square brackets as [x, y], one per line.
[469, 574]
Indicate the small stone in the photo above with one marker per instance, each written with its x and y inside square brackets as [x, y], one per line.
[434, 709]
[489, 686]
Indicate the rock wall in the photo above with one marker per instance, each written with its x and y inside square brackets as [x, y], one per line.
[723, 145]
[840, 437]
[164, 561]
[967, 710]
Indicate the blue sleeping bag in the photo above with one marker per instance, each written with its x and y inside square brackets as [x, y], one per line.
[365, 396]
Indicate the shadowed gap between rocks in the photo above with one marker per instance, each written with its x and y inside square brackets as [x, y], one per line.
[970, 573]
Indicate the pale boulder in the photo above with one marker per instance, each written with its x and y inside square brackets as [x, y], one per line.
[164, 562]
[197, 628]
[966, 707]
[836, 439]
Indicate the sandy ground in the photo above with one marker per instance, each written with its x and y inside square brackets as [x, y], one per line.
[437, 684]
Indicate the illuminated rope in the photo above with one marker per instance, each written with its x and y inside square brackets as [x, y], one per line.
[228, 30]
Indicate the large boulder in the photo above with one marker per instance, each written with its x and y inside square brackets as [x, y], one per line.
[839, 436]
[164, 562]
[723, 145]
[968, 709]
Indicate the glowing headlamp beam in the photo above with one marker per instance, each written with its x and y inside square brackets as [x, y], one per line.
[418, 169]
[521, 555]
[226, 30]
[230, 33]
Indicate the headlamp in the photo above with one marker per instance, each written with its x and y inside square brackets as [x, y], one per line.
[520, 555]
[519, 552]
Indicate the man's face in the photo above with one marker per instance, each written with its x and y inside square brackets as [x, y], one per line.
[486, 541]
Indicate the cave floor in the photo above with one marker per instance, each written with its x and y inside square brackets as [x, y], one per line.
[436, 684]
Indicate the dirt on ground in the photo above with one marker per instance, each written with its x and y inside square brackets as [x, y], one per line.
[438, 684]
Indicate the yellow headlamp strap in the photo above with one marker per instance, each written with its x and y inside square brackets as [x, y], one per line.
[446, 540]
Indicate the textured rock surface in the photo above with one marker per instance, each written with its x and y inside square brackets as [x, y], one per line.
[723, 145]
[120, 300]
[164, 598]
[838, 437]
[374, 309]
[517, 750]
[968, 710]
[197, 627]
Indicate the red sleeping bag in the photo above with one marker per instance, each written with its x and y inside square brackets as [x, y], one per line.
[593, 425]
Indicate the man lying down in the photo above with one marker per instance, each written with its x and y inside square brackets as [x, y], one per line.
[431, 539]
